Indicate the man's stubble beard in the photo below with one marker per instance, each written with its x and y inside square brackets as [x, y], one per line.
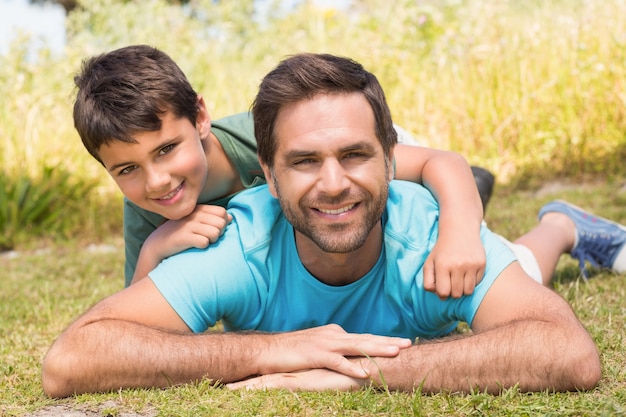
[338, 238]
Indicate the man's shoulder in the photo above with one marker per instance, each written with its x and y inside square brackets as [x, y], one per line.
[410, 189]
[255, 211]
[409, 197]
[411, 216]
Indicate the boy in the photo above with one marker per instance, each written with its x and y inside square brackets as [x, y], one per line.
[138, 115]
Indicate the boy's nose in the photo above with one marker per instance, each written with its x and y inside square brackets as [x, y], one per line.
[157, 180]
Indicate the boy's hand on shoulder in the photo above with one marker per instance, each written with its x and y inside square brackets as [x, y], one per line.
[455, 266]
[199, 229]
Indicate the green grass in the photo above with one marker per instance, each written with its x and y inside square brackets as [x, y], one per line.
[43, 291]
[533, 90]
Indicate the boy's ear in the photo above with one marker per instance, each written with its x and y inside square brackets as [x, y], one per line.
[269, 178]
[203, 119]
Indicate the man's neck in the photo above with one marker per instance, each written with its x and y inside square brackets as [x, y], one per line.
[340, 268]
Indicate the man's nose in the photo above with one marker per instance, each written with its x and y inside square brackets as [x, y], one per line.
[333, 179]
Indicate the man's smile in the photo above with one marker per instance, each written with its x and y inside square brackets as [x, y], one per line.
[337, 211]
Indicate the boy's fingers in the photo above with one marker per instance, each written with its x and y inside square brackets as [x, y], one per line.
[429, 276]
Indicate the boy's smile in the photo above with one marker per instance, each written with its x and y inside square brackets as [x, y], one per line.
[164, 172]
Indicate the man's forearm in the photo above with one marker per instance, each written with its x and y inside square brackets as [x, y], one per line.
[108, 355]
[534, 355]
[105, 355]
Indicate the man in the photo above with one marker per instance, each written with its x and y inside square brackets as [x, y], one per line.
[138, 115]
[321, 271]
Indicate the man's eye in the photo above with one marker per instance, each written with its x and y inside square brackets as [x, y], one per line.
[353, 155]
[303, 161]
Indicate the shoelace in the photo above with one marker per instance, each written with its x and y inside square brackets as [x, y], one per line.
[598, 248]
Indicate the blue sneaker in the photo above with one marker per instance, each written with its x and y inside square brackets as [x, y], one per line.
[599, 240]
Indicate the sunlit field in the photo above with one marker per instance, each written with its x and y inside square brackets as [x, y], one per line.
[531, 90]
[535, 91]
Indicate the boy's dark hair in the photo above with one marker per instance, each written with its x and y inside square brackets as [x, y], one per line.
[125, 92]
[302, 76]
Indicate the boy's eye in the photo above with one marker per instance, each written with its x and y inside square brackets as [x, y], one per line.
[127, 170]
[166, 149]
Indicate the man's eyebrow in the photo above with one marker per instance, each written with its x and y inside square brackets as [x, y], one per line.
[361, 145]
[295, 154]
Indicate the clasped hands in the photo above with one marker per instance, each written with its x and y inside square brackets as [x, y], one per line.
[322, 358]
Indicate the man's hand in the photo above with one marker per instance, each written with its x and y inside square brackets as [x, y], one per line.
[326, 347]
[310, 380]
[455, 265]
[197, 230]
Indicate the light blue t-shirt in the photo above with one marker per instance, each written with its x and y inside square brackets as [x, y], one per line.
[252, 278]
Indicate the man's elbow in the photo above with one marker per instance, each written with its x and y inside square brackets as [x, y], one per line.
[56, 373]
[577, 360]
[585, 367]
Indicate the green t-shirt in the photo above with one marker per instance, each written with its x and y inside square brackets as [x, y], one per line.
[236, 135]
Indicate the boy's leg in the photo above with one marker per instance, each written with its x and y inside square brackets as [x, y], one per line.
[564, 228]
[599, 241]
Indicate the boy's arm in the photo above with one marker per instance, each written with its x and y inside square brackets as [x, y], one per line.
[197, 230]
[457, 262]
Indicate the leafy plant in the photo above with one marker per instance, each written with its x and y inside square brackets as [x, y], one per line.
[33, 206]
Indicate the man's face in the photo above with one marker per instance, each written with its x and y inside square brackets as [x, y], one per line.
[164, 172]
[330, 172]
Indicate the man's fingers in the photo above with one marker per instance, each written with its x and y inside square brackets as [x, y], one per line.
[367, 349]
[330, 347]
[308, 380]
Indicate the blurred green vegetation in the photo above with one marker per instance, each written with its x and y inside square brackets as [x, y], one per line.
[532, 90]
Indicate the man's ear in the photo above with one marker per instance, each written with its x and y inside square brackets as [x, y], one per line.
[203, 119]
[269, 178]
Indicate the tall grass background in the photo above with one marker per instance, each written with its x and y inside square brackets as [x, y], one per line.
[531, 90]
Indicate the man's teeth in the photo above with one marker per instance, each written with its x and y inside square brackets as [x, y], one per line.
[337, 211]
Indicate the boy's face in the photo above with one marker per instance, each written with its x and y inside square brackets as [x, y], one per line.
[330, 172]
[164, 172]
